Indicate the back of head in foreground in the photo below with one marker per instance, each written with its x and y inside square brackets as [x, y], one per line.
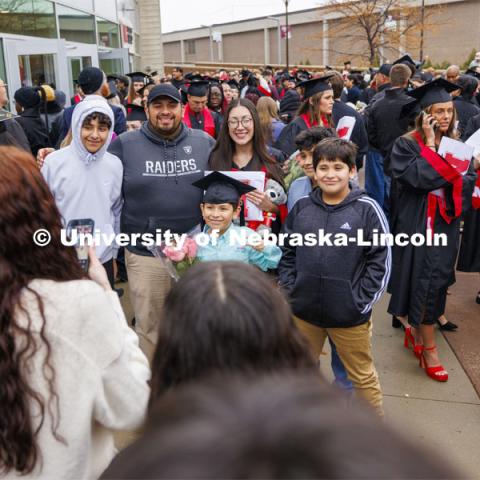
[225, 316]
[282, 425]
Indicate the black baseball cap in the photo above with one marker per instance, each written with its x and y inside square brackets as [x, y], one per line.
[164, 90]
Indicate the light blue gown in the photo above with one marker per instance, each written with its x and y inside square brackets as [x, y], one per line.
[228, 248]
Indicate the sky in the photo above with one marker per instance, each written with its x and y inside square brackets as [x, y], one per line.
[183, 14]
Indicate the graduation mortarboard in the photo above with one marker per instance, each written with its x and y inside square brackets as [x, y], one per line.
[220, 188]
[316, 85]
[115, 77]
[198, 89]
[138, 77]
[135, 113]
[437, 91]
[406, 59]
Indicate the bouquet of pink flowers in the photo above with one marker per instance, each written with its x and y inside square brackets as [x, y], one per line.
[181, 258]
[178, 258]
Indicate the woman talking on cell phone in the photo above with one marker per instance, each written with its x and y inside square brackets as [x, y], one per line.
[429, 199]
[71, 369]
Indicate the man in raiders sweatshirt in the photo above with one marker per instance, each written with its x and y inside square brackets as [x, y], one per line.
[161, 160]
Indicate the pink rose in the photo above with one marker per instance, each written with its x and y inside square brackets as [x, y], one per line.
[191, 248]
[174, 254]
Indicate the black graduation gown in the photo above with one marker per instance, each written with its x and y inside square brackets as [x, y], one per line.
[199, 124]
[469, 256]
[472, 126]
[420, 275]
[465, 111]
[286, 140]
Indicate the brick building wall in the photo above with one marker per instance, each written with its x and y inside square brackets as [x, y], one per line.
[455, 34]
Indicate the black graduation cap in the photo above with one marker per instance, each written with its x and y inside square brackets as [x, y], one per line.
[406, 59]
[114, 77]
[135, 113]
[220, 188]
[198, 89]
[437, 91]
[154, 73]
[316, 85]
[138, 77]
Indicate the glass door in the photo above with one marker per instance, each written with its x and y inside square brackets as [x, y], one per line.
[31, 63]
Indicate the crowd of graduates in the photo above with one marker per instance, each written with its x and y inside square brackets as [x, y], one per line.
[245, 329]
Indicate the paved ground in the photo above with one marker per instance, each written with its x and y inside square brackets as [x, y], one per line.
[443, 417]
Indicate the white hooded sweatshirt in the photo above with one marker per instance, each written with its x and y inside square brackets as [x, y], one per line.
[88, 185]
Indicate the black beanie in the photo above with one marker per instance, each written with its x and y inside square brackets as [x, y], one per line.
[90, 80]
[27, 97]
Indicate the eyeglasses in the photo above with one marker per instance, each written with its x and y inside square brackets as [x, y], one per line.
[216, 95]
[245, 122]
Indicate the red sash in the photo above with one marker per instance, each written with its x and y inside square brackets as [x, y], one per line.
[451, 175]
[476, 193]
[306, 119]
[208, 122]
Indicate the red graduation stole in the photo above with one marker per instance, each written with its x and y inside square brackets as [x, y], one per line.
[306, 119]
[208, 122]
[476, 193]
[451, 175]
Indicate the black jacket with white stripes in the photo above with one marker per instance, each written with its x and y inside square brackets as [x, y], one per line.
[335, 285]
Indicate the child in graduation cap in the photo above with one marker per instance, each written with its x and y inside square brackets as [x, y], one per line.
[220, 206]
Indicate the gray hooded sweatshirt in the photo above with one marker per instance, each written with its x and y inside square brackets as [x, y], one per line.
[87, 185]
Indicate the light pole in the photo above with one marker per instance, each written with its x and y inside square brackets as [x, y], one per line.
[286, 32]
[422, 13]
[211, 40]
[279, 40]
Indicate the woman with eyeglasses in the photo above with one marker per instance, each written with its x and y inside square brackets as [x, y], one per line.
[241, 146]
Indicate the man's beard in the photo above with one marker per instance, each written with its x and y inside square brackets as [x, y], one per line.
[165, 131]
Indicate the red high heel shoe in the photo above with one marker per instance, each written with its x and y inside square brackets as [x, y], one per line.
[410, 340]
[438, 373]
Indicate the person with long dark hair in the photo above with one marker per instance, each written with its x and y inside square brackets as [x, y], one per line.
[247, 326]
[427, 199]
[315, 110]
[72, 370]
[241, 146]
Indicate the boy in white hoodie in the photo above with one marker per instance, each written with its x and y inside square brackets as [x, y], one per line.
[85, 179]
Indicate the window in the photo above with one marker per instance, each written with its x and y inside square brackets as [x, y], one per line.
[36, 70]
[108, 34]
[191, 47]
[28, 17]
[136, 47]
[109, 66]
[76, 26]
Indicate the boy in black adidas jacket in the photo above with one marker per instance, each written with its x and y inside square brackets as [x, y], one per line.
[333, 288]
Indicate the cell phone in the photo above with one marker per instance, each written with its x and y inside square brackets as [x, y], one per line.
[436, 126]
[85, 226]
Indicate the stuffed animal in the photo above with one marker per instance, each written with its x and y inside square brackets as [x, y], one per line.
[277, 196]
